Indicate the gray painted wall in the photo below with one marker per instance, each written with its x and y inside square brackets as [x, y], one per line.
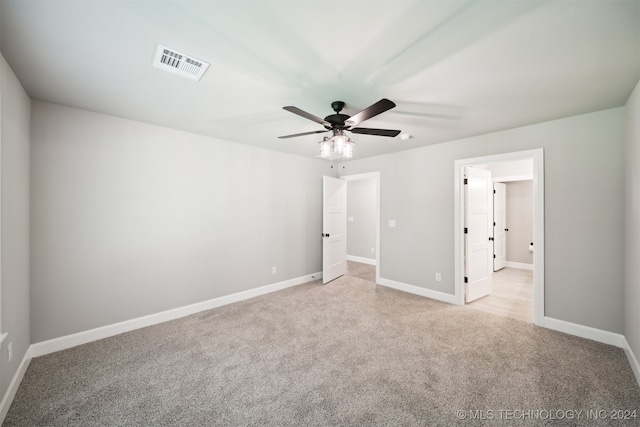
[361, 206]
[583, 270]
[130, 219]
[519, 221]
[632, 223]
[15, 109]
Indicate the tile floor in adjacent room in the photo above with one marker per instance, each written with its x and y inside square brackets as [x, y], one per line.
[511, 294]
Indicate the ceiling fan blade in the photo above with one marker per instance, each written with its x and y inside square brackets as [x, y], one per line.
[296, 110]
[303, 133]
[371, 111]
[379, 132]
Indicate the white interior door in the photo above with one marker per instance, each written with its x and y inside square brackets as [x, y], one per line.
[499, 225]
[478, 230]
[334, 226]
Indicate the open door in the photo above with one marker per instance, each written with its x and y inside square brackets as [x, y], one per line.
[334, 225]
[478, 230]
[499, 225]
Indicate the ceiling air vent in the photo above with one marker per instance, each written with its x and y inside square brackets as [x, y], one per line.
[179, 63]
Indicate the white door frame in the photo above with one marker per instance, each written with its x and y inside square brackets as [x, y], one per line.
[537, 155]
[376, 176]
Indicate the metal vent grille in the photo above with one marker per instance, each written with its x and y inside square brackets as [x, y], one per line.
[179, 63]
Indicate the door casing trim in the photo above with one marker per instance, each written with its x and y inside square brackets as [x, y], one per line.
[537, 155]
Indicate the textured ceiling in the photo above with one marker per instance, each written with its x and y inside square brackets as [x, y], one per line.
[454, 68]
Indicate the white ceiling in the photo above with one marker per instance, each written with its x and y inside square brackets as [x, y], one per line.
[454, 68]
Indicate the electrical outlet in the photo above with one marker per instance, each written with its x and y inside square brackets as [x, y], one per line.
[438, 277]
[274, 270]
[10, 350]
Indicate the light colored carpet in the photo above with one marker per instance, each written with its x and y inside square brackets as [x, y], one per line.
[345, 353]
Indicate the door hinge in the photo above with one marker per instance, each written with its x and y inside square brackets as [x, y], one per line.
[491, 239]
[494, 191]
[465, 181]
[466, 230]
[466, 279]
[494, 256]
[494, 223]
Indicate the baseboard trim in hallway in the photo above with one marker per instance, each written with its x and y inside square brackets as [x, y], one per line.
[362, 260]
[520, 265]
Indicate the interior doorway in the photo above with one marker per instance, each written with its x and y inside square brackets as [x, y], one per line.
[537, 179]
[363, 219]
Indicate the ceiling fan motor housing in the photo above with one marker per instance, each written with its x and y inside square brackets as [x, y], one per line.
[337, 120]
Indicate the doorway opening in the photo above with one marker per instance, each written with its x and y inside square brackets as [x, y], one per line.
[464, 242]
[363, 223]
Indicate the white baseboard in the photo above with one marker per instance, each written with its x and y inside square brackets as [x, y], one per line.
[412, 289]
[633, 361]
[520, 265]
[7, 400]
[68, 341]
[588, 332]
[370, 261]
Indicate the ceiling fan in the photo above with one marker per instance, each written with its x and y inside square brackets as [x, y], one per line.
[338, 123]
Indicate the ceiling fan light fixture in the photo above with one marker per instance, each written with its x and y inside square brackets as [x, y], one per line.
[325, 148]
[337, 146]
[339, 142]
[347, 152]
